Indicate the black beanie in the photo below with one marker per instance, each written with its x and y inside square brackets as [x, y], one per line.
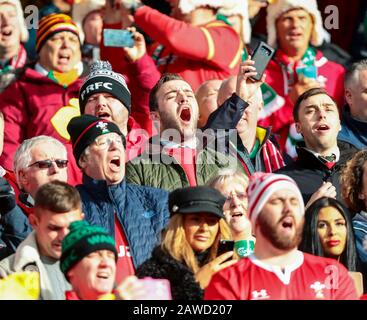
[103, 79]
[85, 129]
[82, 240]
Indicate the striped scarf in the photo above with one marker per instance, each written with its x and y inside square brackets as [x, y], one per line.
[270, 154]
[16, 62]
[10, 71]
[273, 160]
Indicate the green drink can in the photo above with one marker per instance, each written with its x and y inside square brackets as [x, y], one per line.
[244, 247]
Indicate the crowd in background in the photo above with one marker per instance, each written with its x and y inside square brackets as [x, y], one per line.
[164, 169]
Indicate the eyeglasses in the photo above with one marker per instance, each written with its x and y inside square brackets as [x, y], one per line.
[105, 142]
[241, 196]
[43, 164]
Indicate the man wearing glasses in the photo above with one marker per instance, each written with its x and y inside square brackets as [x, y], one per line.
[37, 161]
[133, 215]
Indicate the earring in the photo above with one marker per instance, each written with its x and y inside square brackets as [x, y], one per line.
[361, 196]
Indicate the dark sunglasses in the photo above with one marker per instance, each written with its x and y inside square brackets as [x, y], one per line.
[43, 164]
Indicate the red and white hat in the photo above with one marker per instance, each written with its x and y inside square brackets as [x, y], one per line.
[276, 9]
[262, 186]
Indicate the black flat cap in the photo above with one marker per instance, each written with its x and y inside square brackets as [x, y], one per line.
[199, 199]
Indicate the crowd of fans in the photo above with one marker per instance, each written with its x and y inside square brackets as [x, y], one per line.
[163, 170]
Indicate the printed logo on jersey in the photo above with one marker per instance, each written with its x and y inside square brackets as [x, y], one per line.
[259, 295]
[318, 287]
[123, 251]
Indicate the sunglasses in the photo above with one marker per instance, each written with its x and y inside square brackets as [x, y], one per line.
[43, 164]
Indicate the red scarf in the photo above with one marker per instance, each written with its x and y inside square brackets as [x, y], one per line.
[273, 160]
[18, 61]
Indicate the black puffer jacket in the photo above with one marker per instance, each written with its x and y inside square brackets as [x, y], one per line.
[163, 266]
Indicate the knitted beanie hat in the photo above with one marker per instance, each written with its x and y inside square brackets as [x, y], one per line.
[262, 186]
[23, 27]
[276, 9]
[82, 240]
[85, 129]
[103, 79]
[240, 7]
[81, 9]
[52, 24]
[186, 6]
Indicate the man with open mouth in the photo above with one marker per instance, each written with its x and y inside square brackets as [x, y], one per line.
[277, 270]
[44, 96]
[133, 215]
[295, 28]
[317, 167]
[180, 155]
[105, 94]
[57, 204]
[88, 262]
[13, 32]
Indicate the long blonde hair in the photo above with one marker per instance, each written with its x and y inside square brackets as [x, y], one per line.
[175, 243]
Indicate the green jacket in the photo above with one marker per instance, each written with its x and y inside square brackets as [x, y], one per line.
[156, 168]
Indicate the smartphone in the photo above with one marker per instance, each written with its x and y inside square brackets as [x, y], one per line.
[156, 289]
[117, 38]
[262, 56]
[225, 246]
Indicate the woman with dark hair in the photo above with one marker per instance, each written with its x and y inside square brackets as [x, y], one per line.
[328, 232]
[354, 192]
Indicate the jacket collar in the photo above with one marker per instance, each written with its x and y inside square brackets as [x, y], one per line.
[282, 57]
[99, 187]
[308, 159]
[356, 127]
[27, 253]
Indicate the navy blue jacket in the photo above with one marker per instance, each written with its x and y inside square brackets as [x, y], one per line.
[14, 228]
[141, 211]
[352, 137]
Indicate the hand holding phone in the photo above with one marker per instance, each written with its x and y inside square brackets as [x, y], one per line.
[225, 246]
[118, 38]
[262, 56]
[205, 273]
[246, 87]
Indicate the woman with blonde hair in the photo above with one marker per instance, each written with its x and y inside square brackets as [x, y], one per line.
[233, 185]
[187, 255]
